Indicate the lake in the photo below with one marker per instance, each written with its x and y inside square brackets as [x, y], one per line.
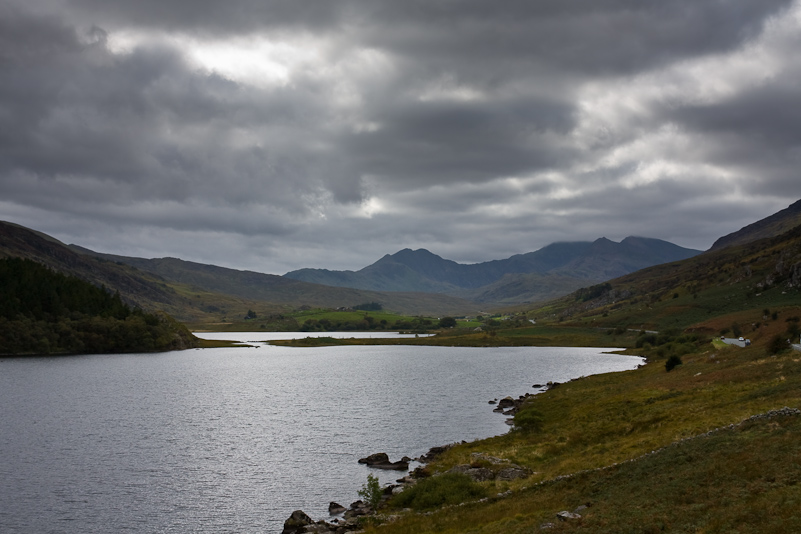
[235, 439]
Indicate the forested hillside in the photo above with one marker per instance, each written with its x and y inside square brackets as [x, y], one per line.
[45, 312]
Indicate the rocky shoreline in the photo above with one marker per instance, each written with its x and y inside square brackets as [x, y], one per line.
[300, 523]
[483, 467]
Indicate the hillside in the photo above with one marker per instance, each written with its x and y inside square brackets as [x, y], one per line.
[555, 269]
[45, 312]
[706, 447]
[204, 293]
[771, 226]
[703, 438]
[136, 288]
[282, 291]
[759, 275]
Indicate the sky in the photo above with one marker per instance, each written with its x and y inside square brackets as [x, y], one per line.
[272, 135]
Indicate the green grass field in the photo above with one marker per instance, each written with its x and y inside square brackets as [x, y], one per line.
[600, 432]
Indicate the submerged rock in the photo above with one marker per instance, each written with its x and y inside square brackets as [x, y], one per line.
[377, 458]
[380, 460]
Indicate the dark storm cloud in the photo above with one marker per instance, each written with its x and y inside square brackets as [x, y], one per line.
[758, 131]
[606, 35]
[466, 141]
[587, 37]
[84, 124]
[401, 124]
[212, 16]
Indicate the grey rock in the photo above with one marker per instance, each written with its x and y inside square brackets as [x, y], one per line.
[377, 458]
[433, 453]
[335, 508]
[393, 466]
[506, 402]
[564, 515]
[380, 460]
[296, 522]
[321, 527]
[358, 508]
[479, 474]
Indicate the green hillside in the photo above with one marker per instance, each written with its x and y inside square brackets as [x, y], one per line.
[281, 291]
[702, 293]
[771, 226]
[703, 438]
[45, 312]
[205, 294]
[645, 451]
[137, 288]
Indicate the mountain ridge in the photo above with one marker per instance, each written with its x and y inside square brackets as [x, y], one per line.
[283, 291]
[193, 292]
[770, 226]
[569, 265]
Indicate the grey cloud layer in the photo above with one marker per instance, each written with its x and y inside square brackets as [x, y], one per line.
[450, 116]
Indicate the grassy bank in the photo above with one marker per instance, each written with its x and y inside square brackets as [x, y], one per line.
[595, 443]
[535, 336]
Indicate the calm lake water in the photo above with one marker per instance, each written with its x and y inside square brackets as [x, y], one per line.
[234, 440]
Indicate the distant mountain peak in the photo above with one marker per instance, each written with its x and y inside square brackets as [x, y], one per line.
[579, 262]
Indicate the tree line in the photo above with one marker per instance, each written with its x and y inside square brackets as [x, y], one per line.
[46, 312]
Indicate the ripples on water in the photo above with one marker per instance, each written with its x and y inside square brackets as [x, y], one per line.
[233, 440]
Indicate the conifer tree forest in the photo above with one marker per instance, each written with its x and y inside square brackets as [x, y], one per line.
[46, 312]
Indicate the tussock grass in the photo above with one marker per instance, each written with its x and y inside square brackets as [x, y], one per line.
[434, 492]
[600, 432]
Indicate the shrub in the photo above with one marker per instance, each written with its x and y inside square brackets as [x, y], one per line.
[644, 339]
[793, 331]
[672, 362]
[528, 420]
[447, 322]
[371, 492]
[778, 344]
[441, 490]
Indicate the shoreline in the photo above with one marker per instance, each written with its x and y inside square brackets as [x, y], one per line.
[342, 519]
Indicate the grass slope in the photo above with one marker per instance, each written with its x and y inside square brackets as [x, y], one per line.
[760, 275]
[774, 225]
[651, 450]
[635, 446]
[282, 291]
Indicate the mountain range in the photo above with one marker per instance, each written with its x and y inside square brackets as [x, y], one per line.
[412, 282]
[743, 286]
[548, 272]
[195, 292]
